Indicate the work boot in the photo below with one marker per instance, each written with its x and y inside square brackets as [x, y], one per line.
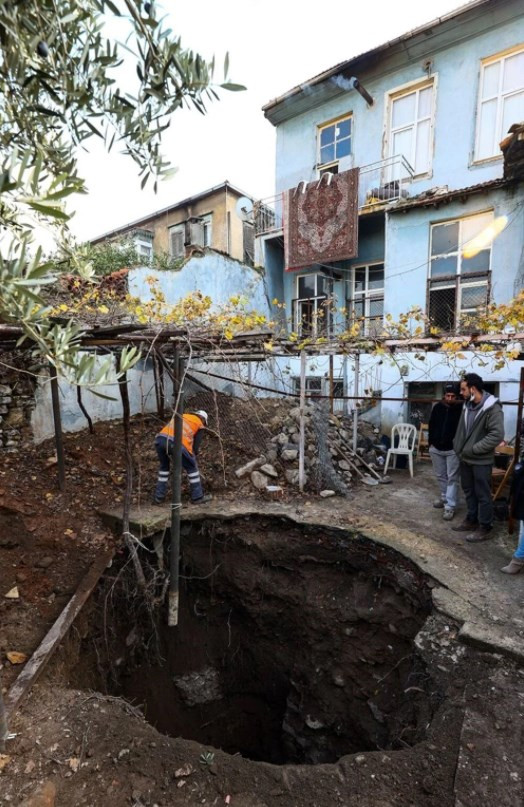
[466, 526]
[482, 533]
[514, 566]
[448, 513]
[207, 497]
[438, 504]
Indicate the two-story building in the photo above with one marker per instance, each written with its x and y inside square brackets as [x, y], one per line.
[422, 117]
[211, 219]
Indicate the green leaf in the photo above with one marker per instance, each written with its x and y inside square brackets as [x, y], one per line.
[233, 87]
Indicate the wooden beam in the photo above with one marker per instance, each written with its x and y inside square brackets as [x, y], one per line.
[38, 661]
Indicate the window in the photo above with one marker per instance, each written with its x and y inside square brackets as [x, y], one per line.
[143, 240]
[367, 297]
[458, 286]
[206, 223]
[501, 101]
[334, 143]
[317, 386]
[177, 238]
[411, 126]
[313, 386]
[311, 309]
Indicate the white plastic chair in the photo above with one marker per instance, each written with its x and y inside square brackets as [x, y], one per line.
[407, 435]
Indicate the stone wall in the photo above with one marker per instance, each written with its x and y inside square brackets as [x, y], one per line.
[17, 399]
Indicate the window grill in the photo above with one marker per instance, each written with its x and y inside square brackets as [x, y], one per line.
[456, 303]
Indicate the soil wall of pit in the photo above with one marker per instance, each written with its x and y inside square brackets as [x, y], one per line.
[294, 644]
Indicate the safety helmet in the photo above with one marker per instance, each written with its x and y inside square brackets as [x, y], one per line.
[202, 415]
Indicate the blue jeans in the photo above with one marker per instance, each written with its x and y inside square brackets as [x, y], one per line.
[519, 552]
[164, 448]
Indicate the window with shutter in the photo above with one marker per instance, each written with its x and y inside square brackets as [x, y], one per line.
[176, 241]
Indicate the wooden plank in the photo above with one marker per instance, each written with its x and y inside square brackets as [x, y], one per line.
[38, 661]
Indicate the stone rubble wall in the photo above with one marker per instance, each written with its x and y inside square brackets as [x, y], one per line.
[17, 399]
[327, 462]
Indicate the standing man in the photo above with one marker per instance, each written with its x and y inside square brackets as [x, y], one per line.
[193, 427]
[480, 430]
[443, 423]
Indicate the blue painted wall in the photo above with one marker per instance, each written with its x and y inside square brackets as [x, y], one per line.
[215, 275]
[408, 244]
[456, 69]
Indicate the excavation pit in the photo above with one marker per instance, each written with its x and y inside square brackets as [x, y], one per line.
[295, 644]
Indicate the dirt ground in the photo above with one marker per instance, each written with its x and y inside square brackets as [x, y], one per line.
[86, 749]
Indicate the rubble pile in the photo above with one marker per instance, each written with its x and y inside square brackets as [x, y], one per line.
[330, 464]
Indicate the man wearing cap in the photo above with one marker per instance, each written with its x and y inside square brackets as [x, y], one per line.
[193, 427]
[443, 424]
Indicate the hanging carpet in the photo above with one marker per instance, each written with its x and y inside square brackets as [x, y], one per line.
[321, 220]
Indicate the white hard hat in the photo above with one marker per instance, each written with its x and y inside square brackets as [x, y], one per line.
[202, 415]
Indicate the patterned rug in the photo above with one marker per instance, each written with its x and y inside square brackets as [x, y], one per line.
[321, 220]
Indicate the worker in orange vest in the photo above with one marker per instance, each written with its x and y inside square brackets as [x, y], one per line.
[193, 426]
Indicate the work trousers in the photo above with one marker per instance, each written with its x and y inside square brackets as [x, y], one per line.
[164, 450]
[476, 484]
[446, 465]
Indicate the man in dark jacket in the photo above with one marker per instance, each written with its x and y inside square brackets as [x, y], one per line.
[480, 430]
[443, 423]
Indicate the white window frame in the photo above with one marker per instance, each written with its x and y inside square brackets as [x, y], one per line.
[174, 229]
[326, 324]
[323, 167]
[367, 295]
[498, 134]
[143, 244]
[207, 222]
[394, 95]
[458, 281]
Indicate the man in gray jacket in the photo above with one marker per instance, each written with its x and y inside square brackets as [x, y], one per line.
[479, 432]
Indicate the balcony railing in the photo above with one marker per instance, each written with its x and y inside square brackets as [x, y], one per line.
[268, 214]
[384, 181]
[380, 183]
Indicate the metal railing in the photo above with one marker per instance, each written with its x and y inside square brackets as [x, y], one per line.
[269, 214]
[384, 181]
[380, 183]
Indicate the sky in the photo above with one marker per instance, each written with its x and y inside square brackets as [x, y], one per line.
[273, 45]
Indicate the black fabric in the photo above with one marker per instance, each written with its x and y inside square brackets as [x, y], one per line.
[517, 492]
[443, 424]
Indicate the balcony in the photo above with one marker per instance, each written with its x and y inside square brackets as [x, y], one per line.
[269, 214]
[380, 183]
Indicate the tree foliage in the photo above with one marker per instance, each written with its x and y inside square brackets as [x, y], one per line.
[69, 72]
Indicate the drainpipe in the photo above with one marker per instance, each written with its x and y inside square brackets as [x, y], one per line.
[176, 503]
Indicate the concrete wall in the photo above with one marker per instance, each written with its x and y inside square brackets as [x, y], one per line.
[215, 275]
[141, 399]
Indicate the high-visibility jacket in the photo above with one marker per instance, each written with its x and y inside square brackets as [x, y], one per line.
[191, 424]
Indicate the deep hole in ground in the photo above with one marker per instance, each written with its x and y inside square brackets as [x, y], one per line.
[294, 645]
